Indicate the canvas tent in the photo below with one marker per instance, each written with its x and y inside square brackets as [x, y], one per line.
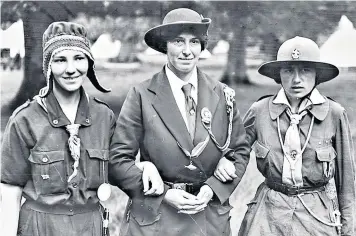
[105, 48]
[13, 38]
[340, 48]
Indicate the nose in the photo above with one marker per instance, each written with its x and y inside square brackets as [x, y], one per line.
[70, 67]
[296, 77]
[186, 50]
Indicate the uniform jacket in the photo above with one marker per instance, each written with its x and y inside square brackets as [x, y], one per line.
[329, 153]
[150, 122]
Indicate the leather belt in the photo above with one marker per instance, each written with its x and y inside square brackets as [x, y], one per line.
[188, 187]
[293, 190]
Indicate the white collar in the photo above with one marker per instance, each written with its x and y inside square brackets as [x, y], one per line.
[178, 83]
[314, 99]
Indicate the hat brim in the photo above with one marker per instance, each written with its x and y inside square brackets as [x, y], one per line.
[324, 71]
[157, 37]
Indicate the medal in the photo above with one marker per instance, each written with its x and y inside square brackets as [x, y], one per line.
[104, 192]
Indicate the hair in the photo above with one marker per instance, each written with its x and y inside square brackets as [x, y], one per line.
[202, 36]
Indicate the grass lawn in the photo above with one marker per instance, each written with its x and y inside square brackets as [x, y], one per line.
[341, 89]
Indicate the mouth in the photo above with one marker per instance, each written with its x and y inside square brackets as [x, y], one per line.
[186, 59]
[71, 78]
[297, 87]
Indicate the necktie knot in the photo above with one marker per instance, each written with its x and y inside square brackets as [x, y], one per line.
[187, 89]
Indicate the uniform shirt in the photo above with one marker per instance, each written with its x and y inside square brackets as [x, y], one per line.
[176, 86]
[36, 156]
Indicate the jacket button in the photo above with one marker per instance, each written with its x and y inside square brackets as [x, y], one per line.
[87, 120]
[55, 122]
[45, 159]
[75, 185]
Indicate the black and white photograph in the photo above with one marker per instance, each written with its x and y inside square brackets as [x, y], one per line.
[178, 118]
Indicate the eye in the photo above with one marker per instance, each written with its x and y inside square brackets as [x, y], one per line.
[59, 60]
[307, 70]
[287, 70]
[178, 41]
[195, 41]
[79, 58]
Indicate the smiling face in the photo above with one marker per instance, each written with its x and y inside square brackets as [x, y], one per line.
[69, 69]
[183, 54]
[298, 80]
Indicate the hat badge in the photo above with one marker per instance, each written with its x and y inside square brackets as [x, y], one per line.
[295, 54]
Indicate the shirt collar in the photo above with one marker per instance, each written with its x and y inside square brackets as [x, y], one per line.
[177, 82]
[56, 116]
[316, 104]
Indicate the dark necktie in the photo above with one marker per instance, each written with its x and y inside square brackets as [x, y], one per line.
[190, 108]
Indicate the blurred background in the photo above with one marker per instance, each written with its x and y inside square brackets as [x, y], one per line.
[242, 36]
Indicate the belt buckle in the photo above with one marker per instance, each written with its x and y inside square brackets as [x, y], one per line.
[180, 186]
[293, 190]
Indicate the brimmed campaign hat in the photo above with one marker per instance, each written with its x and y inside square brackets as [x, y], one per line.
[63, 35]
[175, 22]
[299, 50]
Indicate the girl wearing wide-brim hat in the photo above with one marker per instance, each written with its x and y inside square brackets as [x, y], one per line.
[183, 122]
[303, 148]
[55, 149]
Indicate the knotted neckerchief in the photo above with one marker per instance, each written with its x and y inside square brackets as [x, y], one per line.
[74, 147]
[292, 164]
[73, 140]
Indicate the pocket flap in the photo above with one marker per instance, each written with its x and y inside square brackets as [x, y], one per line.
[260, 150]
[44, 158]
[99, 154]
[326, 154]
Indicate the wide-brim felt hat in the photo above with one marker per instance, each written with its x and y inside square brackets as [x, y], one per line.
[299, 50]
[176, 21]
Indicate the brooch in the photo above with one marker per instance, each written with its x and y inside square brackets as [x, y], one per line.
[206, 116]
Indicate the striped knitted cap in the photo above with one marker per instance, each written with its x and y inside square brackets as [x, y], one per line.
[61, 36]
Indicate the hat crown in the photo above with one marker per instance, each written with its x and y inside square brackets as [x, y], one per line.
[182, 15]
[299, 48]
[64, 28]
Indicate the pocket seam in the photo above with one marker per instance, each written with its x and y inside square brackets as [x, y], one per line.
[98, 154]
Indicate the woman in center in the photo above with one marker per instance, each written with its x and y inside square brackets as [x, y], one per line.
[186, 124]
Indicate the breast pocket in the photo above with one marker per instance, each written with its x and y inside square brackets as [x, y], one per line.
[326, 158]
[97, 167]
[48, 172]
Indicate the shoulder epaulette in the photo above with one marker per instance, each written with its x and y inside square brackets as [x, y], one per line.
[18, 109]
[100, 101]
[265, 96]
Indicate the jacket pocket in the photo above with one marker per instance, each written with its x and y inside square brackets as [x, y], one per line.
[97, 167]
[218, 218]
[326, 156]
[48, 172]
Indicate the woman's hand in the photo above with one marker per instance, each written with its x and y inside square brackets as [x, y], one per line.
[225, 170]
[204, 196]
[184, 202]
[150, 177]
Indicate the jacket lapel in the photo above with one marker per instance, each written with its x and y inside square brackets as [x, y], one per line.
[166, 107]
[207, 97]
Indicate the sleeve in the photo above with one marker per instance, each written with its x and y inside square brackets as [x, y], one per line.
[15, 167]
[125, 144]
[345, 175]
[242, 151]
